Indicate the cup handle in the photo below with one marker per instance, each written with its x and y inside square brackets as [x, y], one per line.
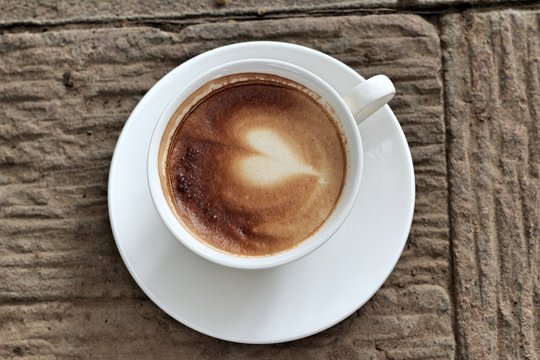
[369, 96]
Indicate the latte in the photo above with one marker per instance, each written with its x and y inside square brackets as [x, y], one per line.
[253, 164]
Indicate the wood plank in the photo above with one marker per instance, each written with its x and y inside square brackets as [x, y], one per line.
[29, 13]
[73, 91]
[493, 89]
[131, 328]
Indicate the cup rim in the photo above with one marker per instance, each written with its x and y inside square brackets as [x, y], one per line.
[326, 230]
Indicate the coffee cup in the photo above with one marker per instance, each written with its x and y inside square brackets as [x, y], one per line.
[272, 158]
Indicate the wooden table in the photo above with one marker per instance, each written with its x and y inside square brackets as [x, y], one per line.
[468, 78]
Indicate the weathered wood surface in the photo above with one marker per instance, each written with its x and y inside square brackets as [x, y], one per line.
[493, 94]
[66, 95]
[27, 12]
[467, 284]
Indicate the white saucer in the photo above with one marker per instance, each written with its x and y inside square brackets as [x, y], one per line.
[279, 304]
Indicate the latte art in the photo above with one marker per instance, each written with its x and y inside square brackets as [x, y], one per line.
[255, 166]
[274, 160]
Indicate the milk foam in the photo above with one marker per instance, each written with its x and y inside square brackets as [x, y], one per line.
[273, 159]
[256, 166]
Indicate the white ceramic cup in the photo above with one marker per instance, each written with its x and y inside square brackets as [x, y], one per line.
[360, 102]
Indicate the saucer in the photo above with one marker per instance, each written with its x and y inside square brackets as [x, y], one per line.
[279, 304]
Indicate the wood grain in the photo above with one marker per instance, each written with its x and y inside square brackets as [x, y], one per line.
[26, 14]
[492, 79]
[64, 291]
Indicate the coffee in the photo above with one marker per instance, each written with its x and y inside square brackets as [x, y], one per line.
[254, 164]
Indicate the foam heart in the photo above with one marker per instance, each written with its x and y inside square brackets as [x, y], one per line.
[274, 160]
